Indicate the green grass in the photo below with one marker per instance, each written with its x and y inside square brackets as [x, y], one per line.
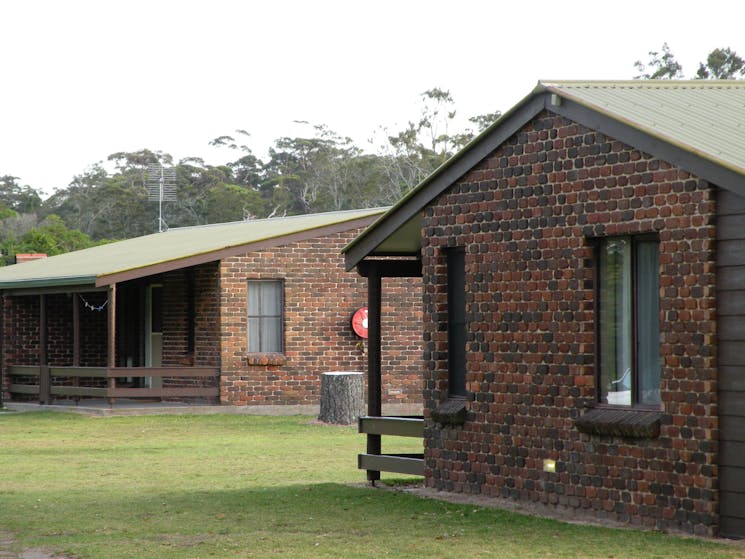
[244, 486]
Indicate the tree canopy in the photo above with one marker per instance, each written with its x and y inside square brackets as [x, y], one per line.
[720, 64]
[317, 171]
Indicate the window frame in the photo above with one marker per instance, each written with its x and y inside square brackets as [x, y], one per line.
[261, 316]
[635, 240]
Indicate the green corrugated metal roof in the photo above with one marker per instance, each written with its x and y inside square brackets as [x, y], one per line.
[705, 117]
[84, 267]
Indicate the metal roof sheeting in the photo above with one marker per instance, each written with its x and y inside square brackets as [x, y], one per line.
[84, 267]
[705, 117]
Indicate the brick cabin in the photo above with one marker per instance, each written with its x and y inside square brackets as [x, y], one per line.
[583, 264]
[243, 314]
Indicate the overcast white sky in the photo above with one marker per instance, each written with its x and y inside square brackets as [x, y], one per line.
[84, 79]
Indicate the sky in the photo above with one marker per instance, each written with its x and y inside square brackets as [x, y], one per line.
[82, 79]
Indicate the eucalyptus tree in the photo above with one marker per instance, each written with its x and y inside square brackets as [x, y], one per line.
[104, 206]
[316, 172]
[411, 154]
[721, 64]
[661, 66]
[16, 197]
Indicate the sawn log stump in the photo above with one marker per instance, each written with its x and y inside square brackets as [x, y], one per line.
[342, 397]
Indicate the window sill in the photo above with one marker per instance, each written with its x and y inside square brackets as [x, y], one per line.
[628, 423]
[266, 359]
[450, 412]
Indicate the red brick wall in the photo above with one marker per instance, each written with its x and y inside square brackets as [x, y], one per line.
[401, 328]
[207, 308]
[21, 333]
[525, 216]
[201, 284]
[21, 330]
[93, 330]
[320, 298]
[59, 329]
[176, 319]
[20, 338]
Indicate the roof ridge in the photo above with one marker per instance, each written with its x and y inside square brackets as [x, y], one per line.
[278, 218]
[642, 84]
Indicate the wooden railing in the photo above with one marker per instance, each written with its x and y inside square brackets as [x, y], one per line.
[393, 426]
[45, 388]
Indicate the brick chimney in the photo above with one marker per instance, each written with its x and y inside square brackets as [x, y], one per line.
[27, 257]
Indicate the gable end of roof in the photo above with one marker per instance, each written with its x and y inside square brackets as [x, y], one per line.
[713, 160]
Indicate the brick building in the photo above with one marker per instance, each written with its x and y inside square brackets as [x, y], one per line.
[583, 264]
[246, 314]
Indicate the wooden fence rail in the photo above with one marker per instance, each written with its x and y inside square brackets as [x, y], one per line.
[43, 377]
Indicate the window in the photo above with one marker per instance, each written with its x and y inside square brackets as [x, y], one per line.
[629, 324]
[265, 320]
[456, 264]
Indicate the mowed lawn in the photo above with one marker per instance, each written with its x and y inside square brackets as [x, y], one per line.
[246, 486]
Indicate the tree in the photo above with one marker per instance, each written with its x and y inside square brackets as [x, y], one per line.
[247, 168]
[232, 202]
[21, 199]
[721, 64]
[484, 121]
[208, 194]
[16, 225]
[53, 237]
[247, 173]
[12, 228]
[133, 162]
[314, 172]
[105, 206]
[663, 67]
[416, 151]
[309, 174]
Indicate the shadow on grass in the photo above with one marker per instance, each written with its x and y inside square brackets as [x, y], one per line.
[333, 520]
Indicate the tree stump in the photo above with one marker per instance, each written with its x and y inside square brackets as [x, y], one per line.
[342, 397]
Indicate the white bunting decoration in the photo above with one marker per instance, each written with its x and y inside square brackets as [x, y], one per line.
[93, 307]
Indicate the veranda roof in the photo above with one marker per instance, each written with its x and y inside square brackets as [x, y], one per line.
[698, 125]
[174, 249]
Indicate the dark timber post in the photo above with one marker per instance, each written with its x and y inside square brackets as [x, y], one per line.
[76, 339]
[374, 397]
[75, 330]
[45, 378]
[111, 361]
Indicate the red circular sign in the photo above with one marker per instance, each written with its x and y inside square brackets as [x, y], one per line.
[359, 322]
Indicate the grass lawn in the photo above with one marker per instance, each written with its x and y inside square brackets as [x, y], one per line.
[246, 486]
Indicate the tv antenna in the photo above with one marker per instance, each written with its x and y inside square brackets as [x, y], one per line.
[161, 187]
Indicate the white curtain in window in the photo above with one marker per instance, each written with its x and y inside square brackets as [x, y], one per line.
[265, 316]
[616, 332]
[648, 322]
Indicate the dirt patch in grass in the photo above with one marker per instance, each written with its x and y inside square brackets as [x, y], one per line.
[6, 544]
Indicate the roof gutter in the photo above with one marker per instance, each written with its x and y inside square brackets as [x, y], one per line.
[49, 282]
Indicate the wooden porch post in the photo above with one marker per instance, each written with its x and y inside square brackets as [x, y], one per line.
[75, 330]
[45, 379]
[111, 361]
[76, 339]
[374, 397]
